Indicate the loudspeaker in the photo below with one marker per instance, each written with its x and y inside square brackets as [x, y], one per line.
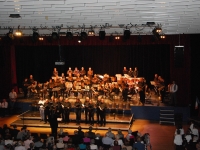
[178, 56]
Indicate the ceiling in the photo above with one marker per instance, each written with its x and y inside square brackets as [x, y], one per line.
[174, 16]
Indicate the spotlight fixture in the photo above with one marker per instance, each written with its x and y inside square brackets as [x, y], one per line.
[162, 36]
[18, 33]
[10, 34]
[83, 35]
[117, 37]
[40, 38]
[102, 34]
[69, 35]
[127, 34]
[155, 33]
[91, 32]
[55, 35]
[157, 30]
[79, 40]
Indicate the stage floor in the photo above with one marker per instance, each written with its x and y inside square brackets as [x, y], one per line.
[115, 121]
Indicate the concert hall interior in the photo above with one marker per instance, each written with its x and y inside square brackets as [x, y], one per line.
[134, 80]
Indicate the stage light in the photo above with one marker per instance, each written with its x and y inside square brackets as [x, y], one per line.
[162, 36]
[117, 37]
[10, 34]
[55, 35]
[157, 30]
[91, 32]
[83, 35]
[79, 40]
[41, 39]
[127, 34]
[69, 35]
[18, 33]
[102, 35]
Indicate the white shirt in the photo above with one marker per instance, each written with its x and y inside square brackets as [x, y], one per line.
[12, 95]
[4, 105]
[178, 139]
[173, 88]
[20, 148]
[195, 132]
[27, 143]
[188, 138]
[41, 102]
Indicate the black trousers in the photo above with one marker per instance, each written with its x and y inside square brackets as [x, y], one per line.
[98, 115]
[102, 117]
[91, 116]
[66, 115]
[86, 115]
[78, 115]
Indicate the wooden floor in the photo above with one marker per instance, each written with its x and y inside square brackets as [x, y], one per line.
[161, 136]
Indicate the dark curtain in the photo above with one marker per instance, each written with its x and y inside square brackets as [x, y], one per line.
[40, 60]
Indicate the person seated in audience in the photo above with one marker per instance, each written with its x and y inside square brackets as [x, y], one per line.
[4, 108]
[5, 130]
[129, 135]
[31, 146]
[76, 138]
[116, 145]
[8, 140]
[98, 140]
[20, 146]
[82, 145]
[127, 145]
[107, 141]
[86, 139]
[120, 134]
[2, 147]
[91, 134]
[14, 132]
[38, 143]
[60, 144]
[27, 142]
[110, 133]
[65, 137]
[80, 132]
[22, 134]
[119, 141]
[93, 146]
[139, 145]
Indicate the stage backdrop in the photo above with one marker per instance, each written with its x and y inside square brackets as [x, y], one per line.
[103, 56]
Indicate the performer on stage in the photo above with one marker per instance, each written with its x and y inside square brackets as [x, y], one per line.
[90, 73]
[98, 109]
[69, 71]
[67, 108]
[172, 91]
[130, 72]
[102, 108]
[55, 72]
[12, 98]
[86, 105]
[41, 103]
[25, 87]
[50, 86]
[78, 106]
[91, 112]
[82, 72]
[75, 72]
[141, 85]
[161, 88]
[125, 71]
[135, 72]
[54, 114]
[47, 106]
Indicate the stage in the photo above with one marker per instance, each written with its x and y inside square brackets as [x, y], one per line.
[119, 114]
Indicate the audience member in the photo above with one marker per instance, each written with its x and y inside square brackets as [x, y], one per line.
[4, 107]
[110, 133]
[91, 134]
[107, 141]
[93, 146]
[27, 142]
[120, 134]
[139, 145]
[20, 146]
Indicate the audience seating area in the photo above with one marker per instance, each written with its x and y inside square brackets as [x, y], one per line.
[11, 138]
